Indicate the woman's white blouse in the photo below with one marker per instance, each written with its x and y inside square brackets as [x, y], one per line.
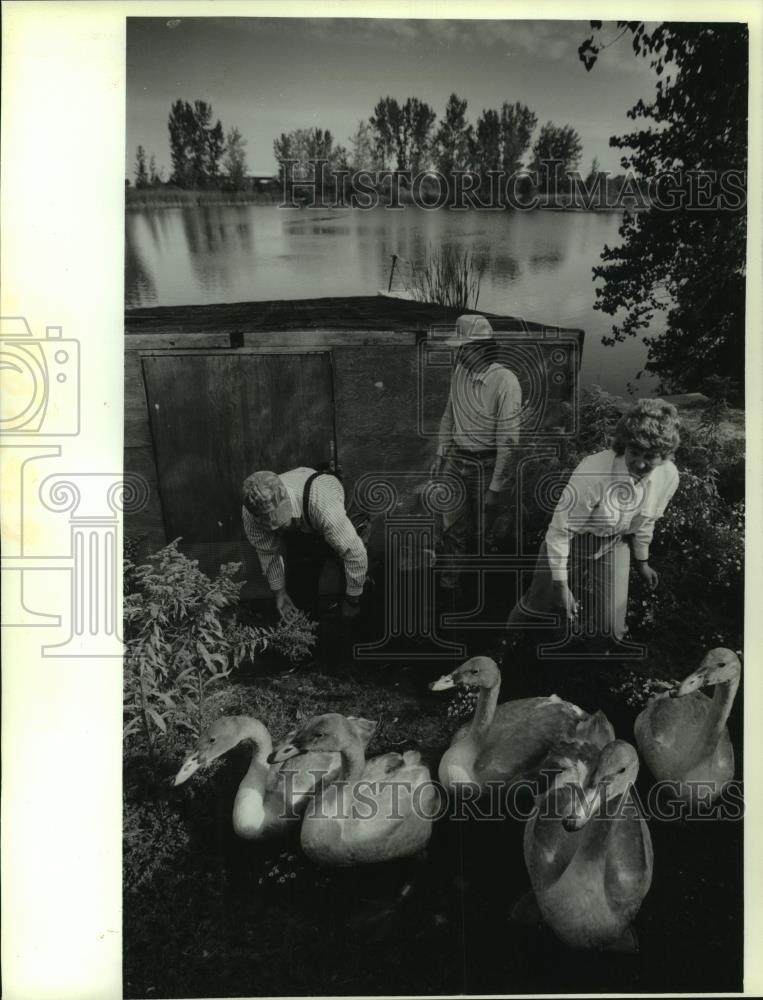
[602, 498]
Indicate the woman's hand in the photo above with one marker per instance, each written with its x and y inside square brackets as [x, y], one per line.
[437, 467]
[491, 498]
[565, 600]
[647, 574]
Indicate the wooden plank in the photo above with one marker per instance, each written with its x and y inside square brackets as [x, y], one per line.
[275, 339]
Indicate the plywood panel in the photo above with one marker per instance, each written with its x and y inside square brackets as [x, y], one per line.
[217, 418]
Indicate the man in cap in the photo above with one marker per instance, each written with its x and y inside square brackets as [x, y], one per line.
[299, 511]
[478, 432]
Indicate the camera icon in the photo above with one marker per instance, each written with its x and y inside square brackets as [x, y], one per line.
[40, 381]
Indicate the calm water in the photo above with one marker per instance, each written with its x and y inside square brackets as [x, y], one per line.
[538, 264]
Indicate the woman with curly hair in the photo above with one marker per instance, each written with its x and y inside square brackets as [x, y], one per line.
[607, 511]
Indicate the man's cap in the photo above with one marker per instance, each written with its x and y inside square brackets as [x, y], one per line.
[266, 498]
[470, 328]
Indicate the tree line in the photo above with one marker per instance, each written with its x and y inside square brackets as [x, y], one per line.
[203, 155]
[398, 136]
[406, 136]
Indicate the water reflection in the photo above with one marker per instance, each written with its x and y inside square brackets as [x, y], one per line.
[536, 265]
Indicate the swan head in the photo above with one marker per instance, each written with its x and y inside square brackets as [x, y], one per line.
[328, 733]
[615, 771]
[223, 735]
[479, 671]
[719, 666]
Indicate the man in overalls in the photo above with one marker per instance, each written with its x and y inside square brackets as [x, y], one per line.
[302, 513]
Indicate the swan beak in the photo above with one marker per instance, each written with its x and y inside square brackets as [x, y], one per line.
[444, 683]
[583, 810]
[190, 766]
[284, 753]
[691, 683]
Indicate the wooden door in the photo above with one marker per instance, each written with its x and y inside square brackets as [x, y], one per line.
[216, 418]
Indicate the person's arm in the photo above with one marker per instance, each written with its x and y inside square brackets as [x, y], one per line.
[268, 551]
[328, 514]
[507, 413]
[578, 499]
[642, 536]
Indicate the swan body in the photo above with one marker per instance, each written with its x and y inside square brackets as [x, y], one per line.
[505, 742]
[588, 850]
[375, 811]
[270, 798]
[683, 736]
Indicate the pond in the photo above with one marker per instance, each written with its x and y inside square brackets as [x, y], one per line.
[537, 264]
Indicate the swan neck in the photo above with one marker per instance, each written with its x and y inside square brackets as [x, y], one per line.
[717, 717]
[353, 761]
[251, 729]
[484, 711]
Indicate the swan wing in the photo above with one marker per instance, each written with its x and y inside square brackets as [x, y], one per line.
[549, 849]
[667, 731]
[629, 863]
[521, 736]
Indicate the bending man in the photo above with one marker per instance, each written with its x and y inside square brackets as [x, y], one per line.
[302, 512]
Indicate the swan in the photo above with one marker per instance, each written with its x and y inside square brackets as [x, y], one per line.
[268, 798]
[682, 735]
[380, 810]
[588, 850]
[504, 742]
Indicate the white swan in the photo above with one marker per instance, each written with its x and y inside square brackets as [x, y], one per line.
[683, 736]
[373, 812]
[269, 799]
[588, 850]
[505, 742]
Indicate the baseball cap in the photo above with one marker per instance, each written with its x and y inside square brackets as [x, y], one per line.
[470, 328]
[267, 499]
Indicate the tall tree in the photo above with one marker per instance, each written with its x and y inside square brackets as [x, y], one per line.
[401, 133]
[685, 255]
[556, 152]
[154, 175]
[454, 139]
[141, 175]
[363, 153]
[234, 160]
[196, 145]
[487, 153]
[517, 126]
[416, 123]
[385, 122]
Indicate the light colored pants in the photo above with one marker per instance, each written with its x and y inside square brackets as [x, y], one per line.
[598, 571]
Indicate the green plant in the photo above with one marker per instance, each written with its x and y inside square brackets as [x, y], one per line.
[182, 636]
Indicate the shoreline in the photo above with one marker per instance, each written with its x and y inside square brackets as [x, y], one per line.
[137, 200]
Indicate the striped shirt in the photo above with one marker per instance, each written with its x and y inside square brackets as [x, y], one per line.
[483, 414]
[602, 498]
[329, 519]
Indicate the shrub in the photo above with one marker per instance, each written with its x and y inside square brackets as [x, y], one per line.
[182, 636]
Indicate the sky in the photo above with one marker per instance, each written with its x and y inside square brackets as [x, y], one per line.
[267, 76]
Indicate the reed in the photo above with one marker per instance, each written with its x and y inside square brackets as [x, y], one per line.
[449, 277]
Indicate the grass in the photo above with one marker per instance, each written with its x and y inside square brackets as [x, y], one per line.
[169, 197]
[449, 277]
